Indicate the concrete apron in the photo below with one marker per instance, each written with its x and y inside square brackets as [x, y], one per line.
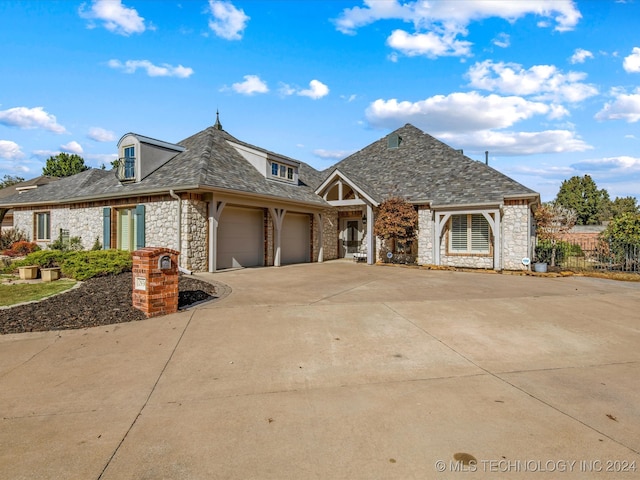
[338, 370]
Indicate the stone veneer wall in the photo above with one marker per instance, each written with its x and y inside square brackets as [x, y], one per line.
[425, 236]
[515, 234]
[160, 220]
[194, 235]
[330, 227]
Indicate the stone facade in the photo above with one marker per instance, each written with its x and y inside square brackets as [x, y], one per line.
[425, 236]
[161, 224]
[194, 235]
[516, 234]
[84, 222]
[330, 227]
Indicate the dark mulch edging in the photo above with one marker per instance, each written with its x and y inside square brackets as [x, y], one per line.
[97, 301]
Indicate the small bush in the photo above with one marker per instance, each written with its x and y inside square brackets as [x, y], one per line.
[97, 245]
[21, 248]
[10, 236]
[66, 244]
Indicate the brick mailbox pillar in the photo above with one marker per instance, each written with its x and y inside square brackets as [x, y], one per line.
[155, 281]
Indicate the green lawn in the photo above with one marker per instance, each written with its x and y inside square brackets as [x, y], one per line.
[27, 292]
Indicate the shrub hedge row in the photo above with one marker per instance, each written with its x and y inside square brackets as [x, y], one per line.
[80, 265]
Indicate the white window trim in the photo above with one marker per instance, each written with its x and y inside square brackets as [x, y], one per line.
[283, 172]
[469, 237]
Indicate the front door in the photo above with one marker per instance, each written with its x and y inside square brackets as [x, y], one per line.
[351, 236]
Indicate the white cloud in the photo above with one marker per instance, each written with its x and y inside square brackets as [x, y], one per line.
[580, 55]
[252, 84]
[72, 147]
[30, 118]
[518, 143]
[626, 106]
[429, 44]
[10, 150]
[631, 63]
[316, 90]
[164, 70]
[332, 154]
[621, 165]
[546, 82]
[438, 23]
[228, 22]
[503, 40]
[116, 17]
[101, 135]
[456, 112]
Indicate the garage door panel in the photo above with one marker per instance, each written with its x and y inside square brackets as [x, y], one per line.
[295, 239]
[240, 238]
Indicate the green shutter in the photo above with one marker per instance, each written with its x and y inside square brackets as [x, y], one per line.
[106, 228]
[139, 229]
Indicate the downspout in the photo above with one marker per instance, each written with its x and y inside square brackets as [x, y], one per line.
[179, 222]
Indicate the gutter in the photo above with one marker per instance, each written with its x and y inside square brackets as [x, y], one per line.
[179, 221]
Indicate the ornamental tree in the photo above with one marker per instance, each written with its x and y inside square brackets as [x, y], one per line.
[396, 222]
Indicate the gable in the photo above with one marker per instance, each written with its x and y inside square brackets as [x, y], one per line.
[340, 190]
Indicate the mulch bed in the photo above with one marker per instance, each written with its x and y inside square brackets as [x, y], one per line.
[97, 301]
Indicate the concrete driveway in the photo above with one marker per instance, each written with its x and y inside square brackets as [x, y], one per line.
[338, 371]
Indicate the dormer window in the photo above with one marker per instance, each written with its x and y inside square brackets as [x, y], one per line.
[139, 156]
[282, 171]
[129, 162]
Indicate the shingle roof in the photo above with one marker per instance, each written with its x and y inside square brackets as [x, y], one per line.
[423, 168]
[208, 162]
[27, 184]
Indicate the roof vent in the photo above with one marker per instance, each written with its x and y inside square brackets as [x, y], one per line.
[394, 140]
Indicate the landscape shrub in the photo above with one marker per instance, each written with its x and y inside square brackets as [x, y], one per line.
[80, 265]
[10, 236]
[42, 258]
[563, 250]
[21, 248]
[95, 263]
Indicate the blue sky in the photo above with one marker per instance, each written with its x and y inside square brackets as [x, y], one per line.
[550, 88]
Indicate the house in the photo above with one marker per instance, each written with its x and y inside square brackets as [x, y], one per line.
[225, 203]
[6, 215]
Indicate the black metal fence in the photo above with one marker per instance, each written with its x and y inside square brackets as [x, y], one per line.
[592, 254]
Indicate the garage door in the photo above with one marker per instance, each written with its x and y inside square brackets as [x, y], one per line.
[295, 238]
[240, 238]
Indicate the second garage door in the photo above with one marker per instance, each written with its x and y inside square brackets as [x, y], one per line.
[240, 238]
[295, 239]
